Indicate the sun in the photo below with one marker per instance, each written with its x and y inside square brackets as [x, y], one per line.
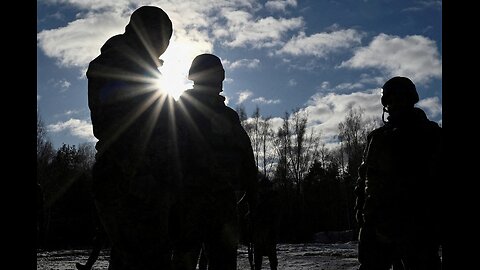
[176, 63]
[172, 81]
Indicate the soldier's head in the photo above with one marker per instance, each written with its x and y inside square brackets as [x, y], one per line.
[207, 70]
[152, 27]
[399, 94]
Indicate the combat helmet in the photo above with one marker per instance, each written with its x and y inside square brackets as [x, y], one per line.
[151, 26]
[399, 90]
[206, 69]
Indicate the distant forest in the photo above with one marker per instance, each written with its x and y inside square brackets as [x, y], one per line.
[314, 183]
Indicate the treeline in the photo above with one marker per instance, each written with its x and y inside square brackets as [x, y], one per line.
[314, 183]
[65, 208]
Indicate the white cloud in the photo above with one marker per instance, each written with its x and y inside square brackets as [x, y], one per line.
[325, 85]
[76, 44]
[246, 30]
[431, 106]
[368, 79]
[276, 123]
[92, 4]
[263, 100]
[326, 111]
[321, 44]
[415, 57]
[248, 63]
[349, 86]
[75, 127]
[279, 5]
[235, 24]
[292, 82]
[63, 85]
[72, 112]
[421, 5]
[243, 95]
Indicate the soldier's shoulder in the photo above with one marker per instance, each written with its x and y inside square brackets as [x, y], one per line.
[379, 131]
[111, 55]
[434, 129]
[232, 114]
[184, 98]
[434, 125]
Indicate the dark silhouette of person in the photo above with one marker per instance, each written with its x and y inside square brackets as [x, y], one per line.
[399, 188]
[218, 169]
[133, 172]
[265, 221]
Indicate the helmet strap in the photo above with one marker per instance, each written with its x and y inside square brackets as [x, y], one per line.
[383, 114]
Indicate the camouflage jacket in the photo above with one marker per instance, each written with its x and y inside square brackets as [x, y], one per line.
[399, 189]
[129, 116]
[217, 152]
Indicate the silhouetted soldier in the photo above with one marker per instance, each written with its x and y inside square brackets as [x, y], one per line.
[132, 174]
[265, 222]
[399, 189]
[218, 168]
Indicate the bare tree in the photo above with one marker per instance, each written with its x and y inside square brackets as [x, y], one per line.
[266, 138]
[45, 156]
[352, 136]
[240, 109]
[282, 147]
[323, 154]
[296, 148]
[86, 152]
[304, 146]
[255, 134]
[45, 151]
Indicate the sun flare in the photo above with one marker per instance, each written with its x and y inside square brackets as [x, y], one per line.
[176, 62]
[172, 81]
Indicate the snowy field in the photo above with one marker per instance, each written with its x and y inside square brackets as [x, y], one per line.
[341, 256]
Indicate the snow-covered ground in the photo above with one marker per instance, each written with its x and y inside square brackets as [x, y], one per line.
[341, 256]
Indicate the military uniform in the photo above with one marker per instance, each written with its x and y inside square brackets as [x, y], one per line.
[399, 193]
[133, 173]
[218, 165]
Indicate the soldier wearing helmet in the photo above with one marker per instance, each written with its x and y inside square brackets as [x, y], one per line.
[399, 95]
[131, 176]
[218, 169]
[399, 188]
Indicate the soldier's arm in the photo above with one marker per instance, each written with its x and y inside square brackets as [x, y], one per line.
[359, 190]
[249, 180]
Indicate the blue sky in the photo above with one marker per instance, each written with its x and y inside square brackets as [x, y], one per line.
[320, 56]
